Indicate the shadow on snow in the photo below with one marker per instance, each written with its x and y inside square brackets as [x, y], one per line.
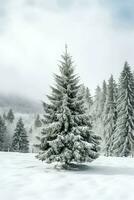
[102, 170]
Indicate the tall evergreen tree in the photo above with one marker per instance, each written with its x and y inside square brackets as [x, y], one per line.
[96, 108]
[37, 122]
[2, 133]
[10, 116]
[110, 116]
[20, 140]
[102, 106]
[4, 116]
[67, 135]
[124, 134]
[103, 98]
[95, 112]
[89, 100]
[84, 91]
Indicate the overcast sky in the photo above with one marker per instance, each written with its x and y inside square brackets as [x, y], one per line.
[33, 33]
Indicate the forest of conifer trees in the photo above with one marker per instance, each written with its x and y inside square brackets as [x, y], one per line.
[76, 125]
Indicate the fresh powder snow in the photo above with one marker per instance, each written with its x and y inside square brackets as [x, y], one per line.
[23, 177]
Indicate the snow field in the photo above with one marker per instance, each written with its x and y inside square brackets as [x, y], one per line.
[23, 177]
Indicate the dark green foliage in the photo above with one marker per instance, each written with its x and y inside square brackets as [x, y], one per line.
[20, 140]
[10, 116]
[103, 98]
[4, 116]
[2, 133]
[38, 122]
[89, 100]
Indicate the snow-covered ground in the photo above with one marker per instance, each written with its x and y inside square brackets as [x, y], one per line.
[23, 177]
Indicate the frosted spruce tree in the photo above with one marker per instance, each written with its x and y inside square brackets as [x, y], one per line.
[20, 141]
[123, 144]
[96, 112]
[96, 108]
[10, 116]
[2, 133]
[102, 105]
[84, 91]
[103, 98]
[4, 116]
[67, 136]
[89, 100]
[37, 122]
[110, 116]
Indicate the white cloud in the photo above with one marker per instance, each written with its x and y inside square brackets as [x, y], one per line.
[35, 35]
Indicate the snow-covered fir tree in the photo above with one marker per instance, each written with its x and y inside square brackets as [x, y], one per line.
[4, 116]
[67, 135]
[96, 112]
[102, 105]
[2, 133]
[123, 144]
[37, 122]
[96, 108]
[20, 141]
[31, 130]
[88, 99]
[110, 116]
[103, 98]
[10, 116]
[84, 91]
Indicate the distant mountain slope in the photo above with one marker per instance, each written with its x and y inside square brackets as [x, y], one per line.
[19, 104]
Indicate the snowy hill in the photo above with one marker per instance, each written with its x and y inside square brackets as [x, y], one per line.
[23, 177]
